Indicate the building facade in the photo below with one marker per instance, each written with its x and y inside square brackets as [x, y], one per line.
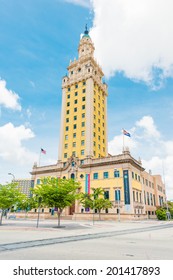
[83, 147]
[25, 185]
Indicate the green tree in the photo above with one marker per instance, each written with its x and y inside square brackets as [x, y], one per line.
[27, 204]
[10, 196]
[95, 200]
[161, 214]
[58, 193]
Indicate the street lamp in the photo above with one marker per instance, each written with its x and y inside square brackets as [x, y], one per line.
[12, 176]
[39, 204]
[118, 191]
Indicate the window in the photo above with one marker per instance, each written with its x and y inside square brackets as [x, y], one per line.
[132, 174]
[74, 126]
[82, 143]
[66, 146]
[95, 176]
[83, 124]
[94, 134]
[75, 109]
[66, 128]
[136, 177]
[68, 96]
[75, 118]
[71, 72]
[75, 102]
[94, 143]
[66, 137]
[83, 98]
[133, 195]
[84, 90]
[68, 104]
[83, 133]
[83, 107]
[116, 173]
[84, 83]
[82, 162]
[68, 112]
[76, 86]
[106, 194]
[117, 195]
[82, 152]
[76, 93]
[74, 135]
[83, 115]
[38, 181]
[94, 116]
[74, 144]
[139, 179]
[69, 89]
[67, 119]
[105, 175]
[65, 155]
[74, 153]
[146, 182]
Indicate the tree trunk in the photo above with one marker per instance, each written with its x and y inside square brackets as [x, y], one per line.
[1, 218]
[99, 215]
[59, 217]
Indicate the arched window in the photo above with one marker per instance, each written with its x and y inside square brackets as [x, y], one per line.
[72, 176]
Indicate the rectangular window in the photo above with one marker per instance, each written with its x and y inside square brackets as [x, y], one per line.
[66, 137]
[74, 135]
[38, 181]
[117, 195]
[82, 162]
[74, 153]
[84, 90]
[75, 109]
[83, 124]
[83, 133]
[95, 176]
[106, 194]
[116, 173]
[67, 119]
[68, 96]
[133, 195]
[83, 115]
[66, 146]
[76, 86]
[75, 102]
[105, 175]
[82, 143]
[68, 104]
[84, 83]
[74, 126]
[74, 144]
[65, 155]
[68, 112]
[83, 107]
[66, 128]
[132, 174]
[82, 152]
[75, 118]
[83, 98]
[76, 93]
[69, 89]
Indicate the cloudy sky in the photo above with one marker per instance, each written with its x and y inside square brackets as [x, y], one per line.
[134, 43]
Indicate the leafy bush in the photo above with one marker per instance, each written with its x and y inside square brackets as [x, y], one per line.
[161, 214]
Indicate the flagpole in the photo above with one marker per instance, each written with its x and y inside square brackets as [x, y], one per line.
[39, 158]
[123, 139]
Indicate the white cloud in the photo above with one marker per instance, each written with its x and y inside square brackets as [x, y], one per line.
[148, 144]
[8, 98]
[11, 144]
[83, 3]
[134, 37]
[28, 112]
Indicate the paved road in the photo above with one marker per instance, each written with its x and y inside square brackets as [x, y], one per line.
[83, 240]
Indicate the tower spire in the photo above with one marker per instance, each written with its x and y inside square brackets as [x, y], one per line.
[86, 30]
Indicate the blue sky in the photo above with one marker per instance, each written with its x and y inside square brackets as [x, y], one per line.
[37, 41]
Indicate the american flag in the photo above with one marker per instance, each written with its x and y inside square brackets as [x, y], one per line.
[43, 151]
[125, 132]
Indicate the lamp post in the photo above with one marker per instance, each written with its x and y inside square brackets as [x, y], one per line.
[118, 190]
[38, 216]
[12, 176]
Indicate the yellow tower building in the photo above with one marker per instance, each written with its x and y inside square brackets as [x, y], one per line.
[83, 131]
